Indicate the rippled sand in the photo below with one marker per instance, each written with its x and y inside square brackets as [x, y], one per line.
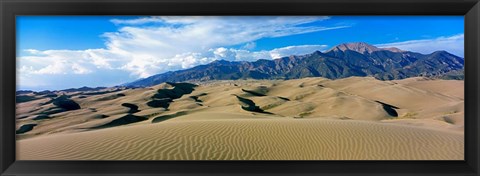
[250, 139]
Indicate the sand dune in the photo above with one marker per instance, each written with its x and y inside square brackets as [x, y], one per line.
[446, 87]
[245, 138]
[310, 118]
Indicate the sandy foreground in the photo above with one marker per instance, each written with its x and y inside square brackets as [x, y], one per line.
[356, 118]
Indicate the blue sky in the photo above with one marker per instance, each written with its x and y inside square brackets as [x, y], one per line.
[57, 52]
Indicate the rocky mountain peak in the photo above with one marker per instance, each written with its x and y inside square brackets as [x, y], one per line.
[360, 47]
[393, 49]
[363, 48]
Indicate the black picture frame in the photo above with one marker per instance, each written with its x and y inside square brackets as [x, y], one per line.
[11, 8]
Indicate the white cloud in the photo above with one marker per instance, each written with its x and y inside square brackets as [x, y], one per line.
[296, 50]
[57, 67]
[32, 51]
[78, 69]
[136, 21]
[249, 46]
[453, 44]
[232, 54]
[221, 52]
[67, 61]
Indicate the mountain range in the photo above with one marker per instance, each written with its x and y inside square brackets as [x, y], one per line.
[344, 60]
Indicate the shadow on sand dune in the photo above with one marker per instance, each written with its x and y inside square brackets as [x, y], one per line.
[169, 116]
[253, 93]
[390, 109]
[25, 128]
[127, 119]
[164, 97]
[249, 105]
[133, 108]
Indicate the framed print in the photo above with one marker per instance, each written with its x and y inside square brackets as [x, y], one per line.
[235, 88]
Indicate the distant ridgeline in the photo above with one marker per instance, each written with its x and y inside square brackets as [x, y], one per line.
[345, 60]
